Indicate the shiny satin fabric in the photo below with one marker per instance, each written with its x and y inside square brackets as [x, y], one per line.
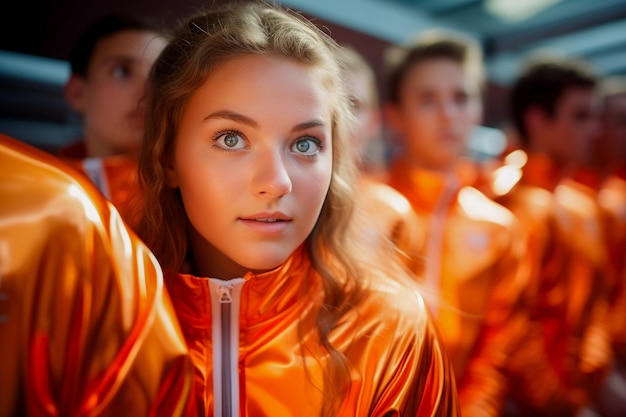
[612, 200]
[475, 277]
[388, 219]
[565, 352]
[86, 326]
[117, 179]
[397, 365]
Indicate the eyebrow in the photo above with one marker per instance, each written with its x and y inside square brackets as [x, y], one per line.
[240, 118]
[119, 57]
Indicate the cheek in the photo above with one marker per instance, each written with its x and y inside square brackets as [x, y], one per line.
[312, 186]
[105, 100]
[475, 114]
[205, 200]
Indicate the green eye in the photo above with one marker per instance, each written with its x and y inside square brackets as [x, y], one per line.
[303, 146]
[230, 140]
[308, 146]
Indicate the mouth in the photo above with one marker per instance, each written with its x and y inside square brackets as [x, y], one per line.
[277, 217]
[274, 224]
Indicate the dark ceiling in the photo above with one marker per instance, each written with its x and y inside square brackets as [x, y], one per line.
[592, 29]
[31, 100]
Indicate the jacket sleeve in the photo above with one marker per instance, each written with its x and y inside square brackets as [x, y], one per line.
[88, 328]
[483, 388]
[420, 378]
[534, 381]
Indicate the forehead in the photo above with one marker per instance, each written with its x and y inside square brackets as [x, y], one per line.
[439, 73]
[134, 44]
[577, 97]
[359, 85]
[616, 103]
[265, 87]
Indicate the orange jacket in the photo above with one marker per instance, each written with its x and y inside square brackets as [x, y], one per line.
[388, 218]
[474, 276]
[254, 345]
[86, 326]
[612, 200]
[115, 176]
[567, 345]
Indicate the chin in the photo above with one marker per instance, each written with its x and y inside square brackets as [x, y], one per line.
[266, 263]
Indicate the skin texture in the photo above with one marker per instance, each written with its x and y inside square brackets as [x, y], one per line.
[613, 142]
[439, 105]
[568, 135]
[108, 98]
[367, 125]
[238, 159]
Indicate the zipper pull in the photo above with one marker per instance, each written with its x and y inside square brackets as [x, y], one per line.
[225, 293]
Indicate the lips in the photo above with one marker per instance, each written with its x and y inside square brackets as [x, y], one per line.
[267, 217]
[270, 225]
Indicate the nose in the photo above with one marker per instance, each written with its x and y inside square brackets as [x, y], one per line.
[447, 111]
[271, 177]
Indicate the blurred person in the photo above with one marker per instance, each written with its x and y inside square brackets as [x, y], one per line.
[613, 124]
[612, 200]
[110, 63]
[474, 252]
[382, 212]
[86, 325]
[553, 108]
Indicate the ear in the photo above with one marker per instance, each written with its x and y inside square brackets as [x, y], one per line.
[392, 117]
[376, 120]
[171, 176]
[534, 120]
[75, 91]
[478, 116]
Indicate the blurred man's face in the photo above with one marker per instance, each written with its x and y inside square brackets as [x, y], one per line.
[571, 132]
[613, 137]
[439, 104]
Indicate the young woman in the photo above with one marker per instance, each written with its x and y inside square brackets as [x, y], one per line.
[247, 173]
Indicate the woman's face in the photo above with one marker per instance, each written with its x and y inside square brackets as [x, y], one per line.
[253, 162]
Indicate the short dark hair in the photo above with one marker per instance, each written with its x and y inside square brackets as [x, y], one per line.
[429, 46]
[542, 83]
[107, 25]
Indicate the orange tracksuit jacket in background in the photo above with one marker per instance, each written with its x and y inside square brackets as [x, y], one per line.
[86, 326]
[587, 316]
[245, 339]
[388, 218]
[115, 176]
[566, 352]
[475, 276]
[612, 200]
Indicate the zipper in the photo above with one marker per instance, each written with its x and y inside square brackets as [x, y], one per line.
[94, 168]
[225, 300]
[435, 245]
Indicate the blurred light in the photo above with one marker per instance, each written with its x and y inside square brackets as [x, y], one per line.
[33, 68]
[517, 159]
[505, 178]
[485, 143]
[517, 10]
